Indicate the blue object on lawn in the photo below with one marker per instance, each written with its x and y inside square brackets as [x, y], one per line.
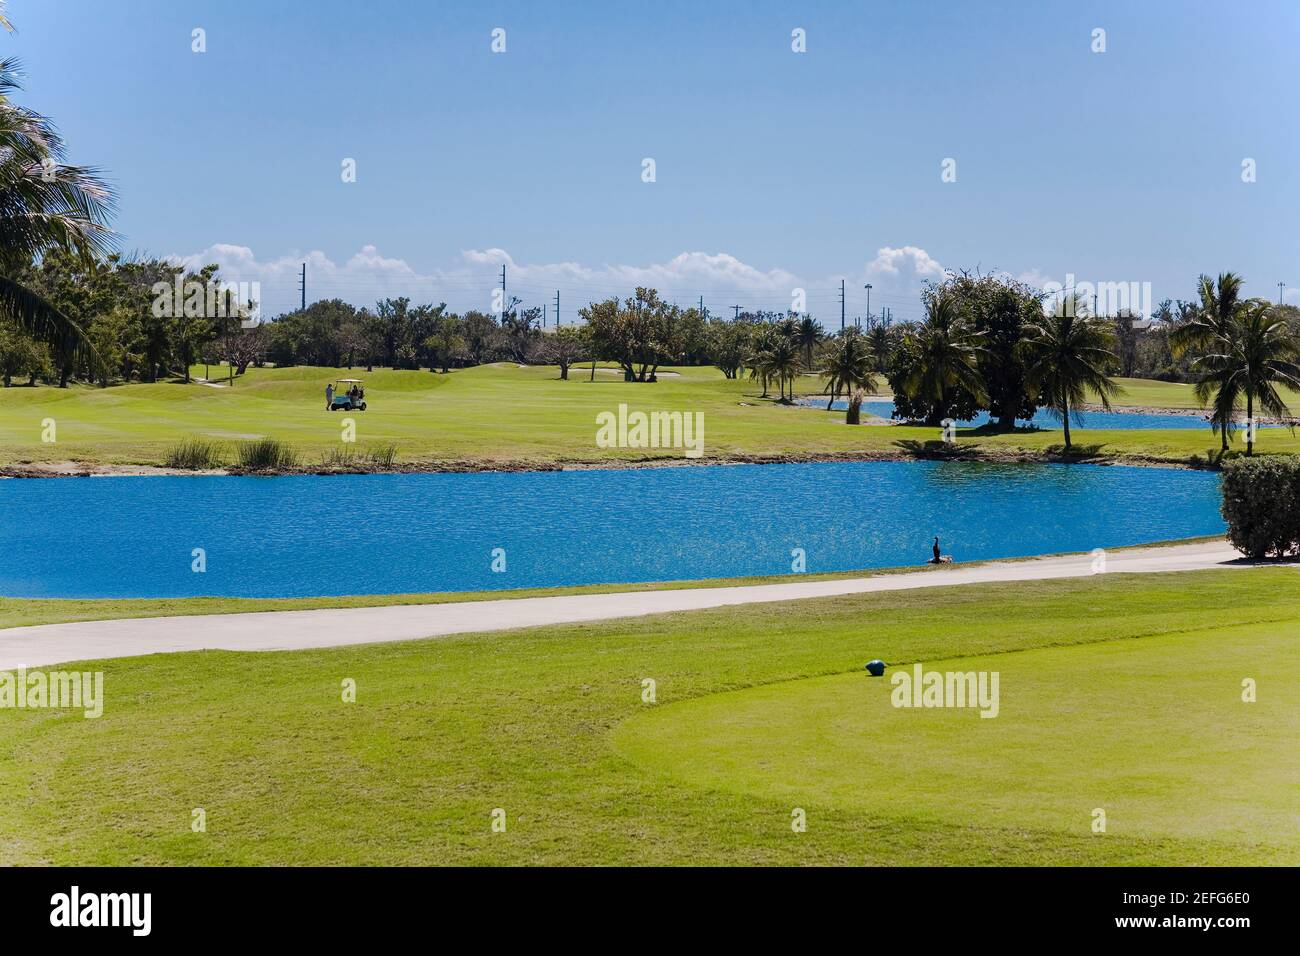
[876, 668]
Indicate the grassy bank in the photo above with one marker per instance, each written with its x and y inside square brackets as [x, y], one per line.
[549, 725]
[504, 416]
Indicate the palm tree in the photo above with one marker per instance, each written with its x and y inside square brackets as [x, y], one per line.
[943, 355]
[1212, 330]
[808, 332]
[849, 369]
[1066, 356]
[756, 355]
[1264, 359]
[781, 362]
[44, 204]
[883, 339]
[1219, 389]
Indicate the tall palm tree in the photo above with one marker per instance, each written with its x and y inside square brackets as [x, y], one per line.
[44, 204]
[849, 369]
[1066, 356]
[1212, 330]
[1219, 388]
[781, 362]
[1264, 359]
[808, 332]
[883, 339]
[943, 355]
[760, 347]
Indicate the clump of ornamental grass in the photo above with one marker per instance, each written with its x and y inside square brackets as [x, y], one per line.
[194, 454]
[349, 458]
[266, 454]
[342, 457]
[382, 456]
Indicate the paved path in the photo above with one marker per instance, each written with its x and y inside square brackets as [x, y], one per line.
[291, 630]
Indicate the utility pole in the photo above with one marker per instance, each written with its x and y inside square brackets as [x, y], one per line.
[841, 305]
[303, 283]
[503, 290]
[543, 315]
[1280, 287]
[868, 288]
[737, 308]
[557, 308]
[703, 314]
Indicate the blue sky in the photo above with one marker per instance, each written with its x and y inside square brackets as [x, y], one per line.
[773, 169]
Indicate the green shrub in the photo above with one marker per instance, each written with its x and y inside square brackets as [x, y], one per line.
[266, 454]
[1261, 503]
[194, 454]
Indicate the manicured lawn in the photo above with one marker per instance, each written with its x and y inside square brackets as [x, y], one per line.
[1117, 691]
[1142, 392]
[500, 414]
[1152, 731]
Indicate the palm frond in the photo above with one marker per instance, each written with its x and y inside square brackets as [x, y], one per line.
[34, 315]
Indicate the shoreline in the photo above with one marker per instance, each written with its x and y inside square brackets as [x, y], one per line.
[399, 598]
[39, 645]
[77, 469]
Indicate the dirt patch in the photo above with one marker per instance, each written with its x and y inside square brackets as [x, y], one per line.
[79, 469]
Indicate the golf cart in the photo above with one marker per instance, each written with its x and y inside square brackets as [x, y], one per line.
[349, 396]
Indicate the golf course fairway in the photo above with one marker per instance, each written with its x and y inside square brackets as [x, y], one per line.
[1117, 691]
[1153, 731]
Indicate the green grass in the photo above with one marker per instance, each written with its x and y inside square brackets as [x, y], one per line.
[1128, 677]
[501, 415]
[1153, 731]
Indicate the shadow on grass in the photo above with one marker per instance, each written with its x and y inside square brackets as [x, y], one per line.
[1075, 451]
[991, 430]
[932, 448]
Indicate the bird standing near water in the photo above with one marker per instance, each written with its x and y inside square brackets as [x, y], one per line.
[936, 549]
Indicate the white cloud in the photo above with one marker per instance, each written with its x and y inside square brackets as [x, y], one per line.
[468, 281]
[1036, 278]
[906, 264]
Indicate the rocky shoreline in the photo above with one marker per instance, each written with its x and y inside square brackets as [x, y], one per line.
[74, 469]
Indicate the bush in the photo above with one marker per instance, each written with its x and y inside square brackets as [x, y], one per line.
[1261, 503]
[194, 454]
[266, 454]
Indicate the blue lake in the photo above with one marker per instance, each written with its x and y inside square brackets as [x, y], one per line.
[1079, 421]
[364, 534]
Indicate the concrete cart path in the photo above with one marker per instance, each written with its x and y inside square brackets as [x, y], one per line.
[48, 644]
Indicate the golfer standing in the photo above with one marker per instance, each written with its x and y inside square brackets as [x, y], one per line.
[329, 396]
